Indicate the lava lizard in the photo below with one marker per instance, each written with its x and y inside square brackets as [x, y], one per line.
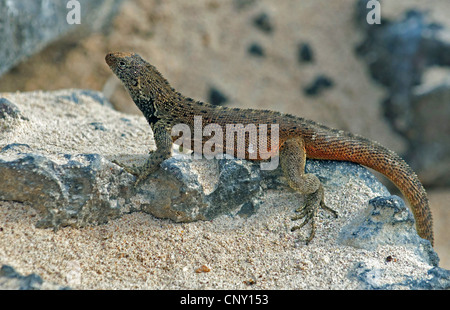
[164, 107]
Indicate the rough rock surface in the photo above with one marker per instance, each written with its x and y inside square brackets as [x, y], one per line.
[57, 159]
[10, 279]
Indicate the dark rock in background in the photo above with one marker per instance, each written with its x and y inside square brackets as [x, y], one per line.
[263, 23]
[398, 52]
[255, 49]
[305, 53]
[216, 97]
[430, 135]
[26, 27]
[321, 83]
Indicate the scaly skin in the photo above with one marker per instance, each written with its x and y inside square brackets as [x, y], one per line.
[164, 107]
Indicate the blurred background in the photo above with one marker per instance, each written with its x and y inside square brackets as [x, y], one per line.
[317, 59]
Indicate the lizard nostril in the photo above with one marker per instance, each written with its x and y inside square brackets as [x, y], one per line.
[109, 58]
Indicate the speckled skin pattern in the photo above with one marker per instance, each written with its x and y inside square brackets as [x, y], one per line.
[164, 107]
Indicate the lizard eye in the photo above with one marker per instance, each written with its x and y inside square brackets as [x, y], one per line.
[122, 64]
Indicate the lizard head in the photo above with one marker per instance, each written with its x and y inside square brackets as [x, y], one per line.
[146, 86]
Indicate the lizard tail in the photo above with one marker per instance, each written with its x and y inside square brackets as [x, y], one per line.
[349, 147]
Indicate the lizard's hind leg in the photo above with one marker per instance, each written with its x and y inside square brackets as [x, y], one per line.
[293, 160]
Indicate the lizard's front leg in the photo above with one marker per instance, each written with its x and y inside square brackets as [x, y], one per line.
[163, 141]
[293, 160]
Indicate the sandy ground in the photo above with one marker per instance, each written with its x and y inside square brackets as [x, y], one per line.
[139, 251]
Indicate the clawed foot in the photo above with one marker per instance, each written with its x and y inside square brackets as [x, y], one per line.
[308, 212]
[134, 170]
